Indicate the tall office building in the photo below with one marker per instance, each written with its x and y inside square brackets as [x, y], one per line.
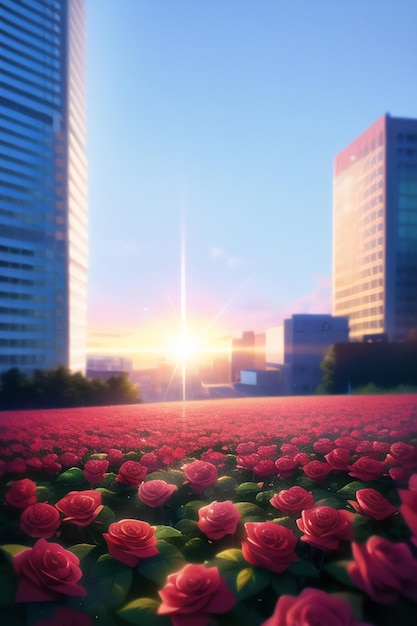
[43, 185]
[375, 231]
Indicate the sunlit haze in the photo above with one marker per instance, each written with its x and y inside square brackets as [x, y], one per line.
[214, 125]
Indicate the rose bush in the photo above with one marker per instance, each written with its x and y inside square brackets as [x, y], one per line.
[267, 495]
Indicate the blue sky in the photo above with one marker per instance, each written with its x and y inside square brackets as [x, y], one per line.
[216, 123]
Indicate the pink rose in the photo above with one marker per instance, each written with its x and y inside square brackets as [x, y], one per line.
[338, 459]
[312, 606]
[94, 471]
[384, 570]
[325, 527]
[69, 459]
[218, 519]
[408, 508]
[317, 470]
[46, 572]
[269, 545]
[293, 500]
[64, 616]
[264, 468]
[131, 540]
[80, 507]
[367, 468]
[50, 464]
[249, 447]
[247, 461]
[131, 473]
[371, 503]
[21, 494]
[115, 456]
[194, 594]
[285, 466]
[200, 474]
[404, 454]
[267, 452]
[155, 493]
[324, 445]
[40, 520]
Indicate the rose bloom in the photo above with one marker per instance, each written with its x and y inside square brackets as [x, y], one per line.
[194, 594]
[384, 570]
[267, 452]
[408, 508]
[218, 519]
[293, 500]
[317, 470]
[313, 607]
[40, 520]
[47, 572]
[21, 494]
[94, 471]
[371, 503]
[247, 461]
[69, 459]
[200, 474]
[130, 541]
[269, 545]
[404, 454]
[367, 468]
[265, 468]
[249, 447]
[285, 466]
[338, 459]
[80, 507]
[155, 493]
[17, 466]
[325, 527]
[131, 473]
[151, 461]
[324, 445]
[64, 616]
[115, 456]
[50, 464]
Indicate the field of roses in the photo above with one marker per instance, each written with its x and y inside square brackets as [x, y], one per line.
[246, 512]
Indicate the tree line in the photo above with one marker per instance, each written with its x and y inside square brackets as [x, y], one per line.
[60, 388]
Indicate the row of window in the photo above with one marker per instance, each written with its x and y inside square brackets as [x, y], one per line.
[342, 292]
[38, 344]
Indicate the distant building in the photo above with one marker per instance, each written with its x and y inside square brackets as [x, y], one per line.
[43, 185]
[109, 364]
[306, 340]
[375, 231]
[248, 352]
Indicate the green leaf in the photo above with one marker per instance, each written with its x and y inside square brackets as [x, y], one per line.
[247, 492]
[8, 583]
[172, 476]
[338, 571]
[143, 612]
[109, 582]
[197, 550]
[81, 550]
[349, 490]
[105, 518]
[263, 497]
[190, 510]
[188, 527]
[44, 493]
[250, 512]
[304, 568]
[157, 568]
[167, 532]
[251, 581]
[285, 584]
[73, 478]
[233, 555]
[244, 577]
[12, 549]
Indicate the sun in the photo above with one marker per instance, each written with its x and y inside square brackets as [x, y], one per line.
[186, 347]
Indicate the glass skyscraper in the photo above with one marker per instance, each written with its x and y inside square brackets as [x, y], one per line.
[43, 184]
[375, 231]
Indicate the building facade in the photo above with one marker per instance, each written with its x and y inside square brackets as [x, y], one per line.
[43, 185]
[375, 231]
[307, 337]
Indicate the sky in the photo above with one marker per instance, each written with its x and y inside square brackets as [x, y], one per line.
[212, 129]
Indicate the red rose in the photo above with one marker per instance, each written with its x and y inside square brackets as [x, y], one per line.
[285, 466]
[50, 464]
[47, 571]
[267, 452]
[269, 545]
[312, 606]
[155, 492]
[371, 503]
[115, 456]
[404, 454]
[69, 459]
[80, 507]
[264, 468]
[247, 461]
[151, 461]
[40, 520]
[131, 540]
[408, 508]
[317, 470]
[218, 519]
[94, 471]
[64, 616]
[367, 468]
[131, 473]
[194, 594]
[293, 500]
[200, 474]
[325, 527]
[384, 570]
[324, 445]
[246, 448]
[21, 494]
[338, 459]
